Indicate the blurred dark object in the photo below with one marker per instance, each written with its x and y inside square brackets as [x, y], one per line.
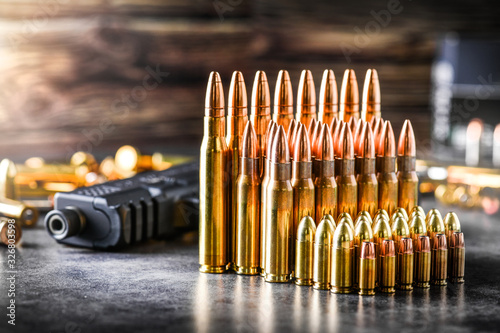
[466, 99]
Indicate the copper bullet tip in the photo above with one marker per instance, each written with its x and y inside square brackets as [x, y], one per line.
[333, 125]
[387, 248]
[214, 99]
[280, 152]
[313, 138]
[440, 242]
[261, 97]
[352, 124]
[371, 92]
[406, 145]
[387, 144]
[312, 128]
[306, 94]
[237, 102]
[325, 145]
[345, 144]
[328, 91]
[283, 95]
[423, 244]
[270, 134]
[250, 147]
[368, 250]
[357, 133]
[406, 245]
[292, 129]
[302, 146]
[349, 93]
[377, 131]
[457, 240]
[336, 134]
[366, 146]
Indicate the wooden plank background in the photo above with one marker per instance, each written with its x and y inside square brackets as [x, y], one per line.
[64, 64]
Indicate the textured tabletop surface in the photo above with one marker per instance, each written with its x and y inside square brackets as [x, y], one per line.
[157, 287]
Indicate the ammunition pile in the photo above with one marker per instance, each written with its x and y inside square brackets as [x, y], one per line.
[278, 196]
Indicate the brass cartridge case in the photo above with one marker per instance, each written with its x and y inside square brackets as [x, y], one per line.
[325, 184]
[422, 262]
[304, 258]
[386, 177]
[10, 231]
[346, 181]
[366, 177]
[367, 269]
[381, 231]
[306, 99]
[430, 213]
[387, 267]
[302, 183]
[26, 215]
[364, 214]
[348, 219]
[328, 98]
[439, 265]
[322, 271]
[283, 100]
[362, 233]
[407, 176]
[271, 133]
[128, 161]
[248, 206]
[402, 212]
[383, 213]
[214, 182]
[279, 212]
[417, 210]
[236, 121]
[349, 96]
[343, 255]
[260, 112]
[370, 107]
[404, 264]
[8, 186]
[457, 248]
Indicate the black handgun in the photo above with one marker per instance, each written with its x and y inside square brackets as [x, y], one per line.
[152, 204]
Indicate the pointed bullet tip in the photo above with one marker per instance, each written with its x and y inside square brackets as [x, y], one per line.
[250, 147]
[324, 148]
[406, 144]
[302, 146]
[261, 97]
[280, 151]
[387, 144]
[214, 99]
[345, 144]
[237, 103]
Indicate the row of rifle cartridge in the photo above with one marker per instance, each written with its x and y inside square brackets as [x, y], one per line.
[264, 176]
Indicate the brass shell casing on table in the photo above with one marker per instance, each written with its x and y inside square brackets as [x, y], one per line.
[279, 212]
[404, 265]
[236, 121]
[367, 269]
[247, 259]
[26, 216]
[342, 261]
[283, 100]
[306, 99]
[304, 258]
[322, 271]
[422, 276]
[439, 265]
[214, 182]
[457, 267]
[10, 231]
[386, 274]
[328, 98]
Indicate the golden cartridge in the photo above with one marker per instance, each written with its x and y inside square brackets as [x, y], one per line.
[404, 265]
[263, 152]
[362, 233]
[457, 249]
[85, 164]
[8, 186]
[435, 226]
[236, 121]
[366, 177]
[306, 99]
[399, 229]
[417, 229]
[370, 108]
[433, 211]
[279, 212]
[349, 96]
[271, 133]
[418, 210]
[129, 161]
[248, 206]
[367, 269]
[346, 181]
[365, 214]
[26, 215]
[386, 177]
[422, 265]
[304, 257]
[348, 219]
[214, 182]
[386, 273]
[439, 265]
[331, 219]
[283, 100]
[381, 231]
[402, 212]
[10, 231]
[107, 167]
[328, 98]
[377, 133]
[384, 213]
[407, 176]
[323, 242]
[260, 114]
[302, 183]
[325, 185]
[343, 256]
[451, 225]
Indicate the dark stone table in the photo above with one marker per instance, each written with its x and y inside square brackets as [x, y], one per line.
[156, 286]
